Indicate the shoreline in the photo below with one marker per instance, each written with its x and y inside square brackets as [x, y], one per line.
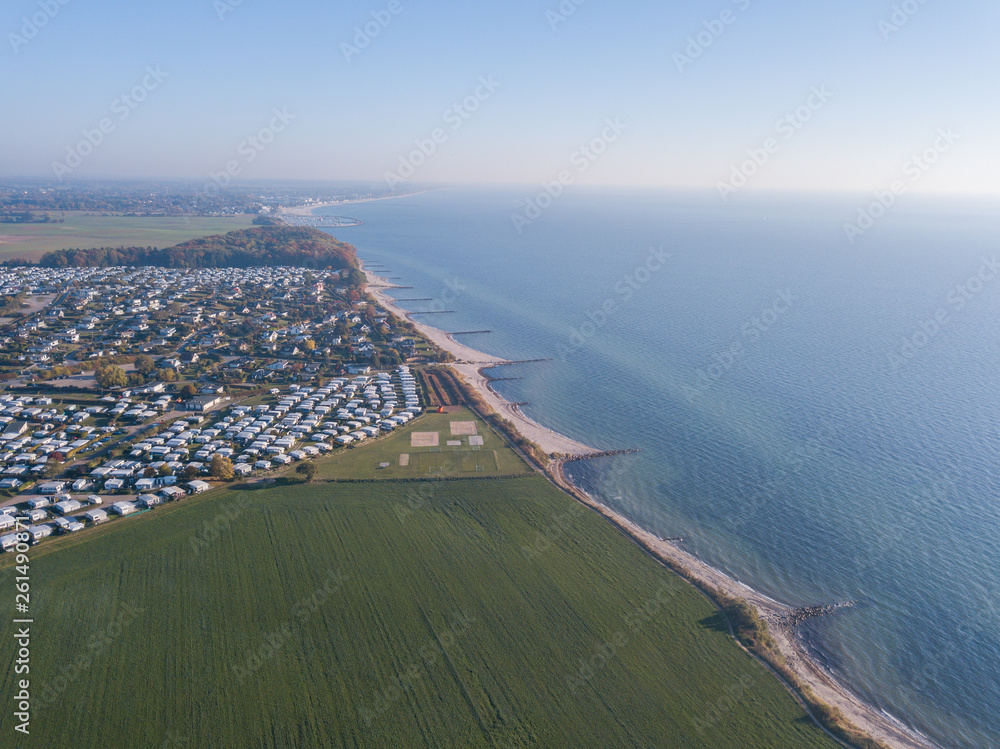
[307, 210]
[471, 363]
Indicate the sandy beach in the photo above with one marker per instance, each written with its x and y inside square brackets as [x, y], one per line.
[867, 718]
[470, 364]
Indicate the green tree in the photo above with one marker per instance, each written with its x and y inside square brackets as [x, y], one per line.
[307, 471]
[221, 467]
[189, 391]
[144, 364]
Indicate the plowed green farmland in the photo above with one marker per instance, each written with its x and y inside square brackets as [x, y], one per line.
[490, 613]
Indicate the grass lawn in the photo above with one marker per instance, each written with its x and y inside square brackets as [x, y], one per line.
[492, 458]
[31, 241]
[435, 614]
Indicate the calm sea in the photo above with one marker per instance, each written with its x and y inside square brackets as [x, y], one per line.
[820, 419]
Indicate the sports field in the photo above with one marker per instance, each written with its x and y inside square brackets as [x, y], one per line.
[410, 452]
[31, 241]
[428, 614]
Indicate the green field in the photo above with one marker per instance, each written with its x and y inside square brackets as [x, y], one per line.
[493, 458]
[31, 241]
[433, 614]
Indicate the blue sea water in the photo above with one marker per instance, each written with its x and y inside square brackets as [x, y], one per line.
[820, 419]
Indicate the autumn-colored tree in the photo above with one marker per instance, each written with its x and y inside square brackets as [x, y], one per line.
[111, 376]
[221, 467]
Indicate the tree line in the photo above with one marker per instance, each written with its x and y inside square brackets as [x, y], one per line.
[297, 246]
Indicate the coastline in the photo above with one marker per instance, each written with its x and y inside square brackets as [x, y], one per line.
[307, 210]
[470, 363]
[867, 718]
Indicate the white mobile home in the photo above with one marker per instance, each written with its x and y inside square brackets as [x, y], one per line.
[95, 516]
[38, 532]
[123, 508]
[67, 506]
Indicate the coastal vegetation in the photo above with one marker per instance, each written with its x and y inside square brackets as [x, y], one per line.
[254, 247]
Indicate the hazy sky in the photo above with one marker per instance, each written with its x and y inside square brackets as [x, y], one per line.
[890, 76]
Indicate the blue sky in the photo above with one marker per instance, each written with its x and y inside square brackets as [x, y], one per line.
[560, 77]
